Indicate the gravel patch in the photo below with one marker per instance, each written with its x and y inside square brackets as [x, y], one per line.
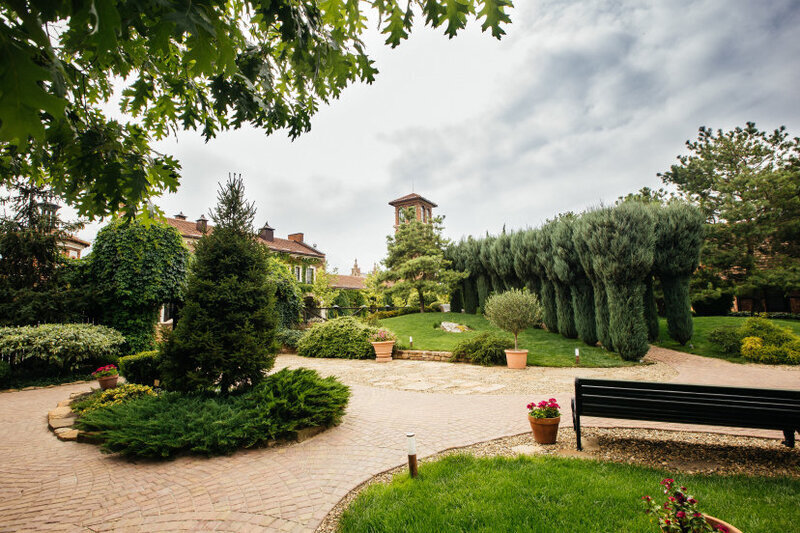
[676, 451]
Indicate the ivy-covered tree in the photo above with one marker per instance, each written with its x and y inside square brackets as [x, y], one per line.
[415, 260]
[225, 337]
[135, 267]
[212, 65]
[679, 228]
[288, 296]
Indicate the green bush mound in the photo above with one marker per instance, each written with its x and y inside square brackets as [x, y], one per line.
[106, 398]
[171, 423]
[344, 337]
[58, 349]
[141, 367]
[380, 315]
[486, 348]
[758, 340]
[289, 338]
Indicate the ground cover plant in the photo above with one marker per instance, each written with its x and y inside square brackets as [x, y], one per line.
[106, 398]
[546, 494]
[544, 348]
[701, 342]
[170, 423]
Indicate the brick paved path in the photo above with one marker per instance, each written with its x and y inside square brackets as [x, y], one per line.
[46, 484]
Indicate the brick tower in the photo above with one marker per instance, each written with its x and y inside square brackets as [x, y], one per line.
[422, 206]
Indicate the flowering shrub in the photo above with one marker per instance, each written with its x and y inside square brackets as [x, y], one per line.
[105, 371]
[544, 409]
[107, 398]
[382, 335]
[679, 513]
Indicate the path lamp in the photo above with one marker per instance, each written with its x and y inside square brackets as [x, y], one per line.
[412, 454]
[577, 356]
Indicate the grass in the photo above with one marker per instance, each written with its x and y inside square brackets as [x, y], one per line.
[544, 348]
[699, 344]
[547, 494]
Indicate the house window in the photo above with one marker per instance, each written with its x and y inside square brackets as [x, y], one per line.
[298, 273]
[309, 274]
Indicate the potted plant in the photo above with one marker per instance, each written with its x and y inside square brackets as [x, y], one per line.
[679, 514]
[382, 341]
[514, 311]
[107, 376]
[544, 418]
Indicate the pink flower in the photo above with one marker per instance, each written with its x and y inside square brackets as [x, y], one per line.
[680, 514]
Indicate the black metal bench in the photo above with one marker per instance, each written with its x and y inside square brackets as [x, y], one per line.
[687, 404]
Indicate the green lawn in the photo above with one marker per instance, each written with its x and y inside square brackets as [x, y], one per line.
[699, 344]
[544, 348]
[550, 494]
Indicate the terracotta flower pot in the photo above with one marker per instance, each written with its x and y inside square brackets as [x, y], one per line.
[717, 522]
[545, 430]
[108, 382]
[517, 358]
[383, 351]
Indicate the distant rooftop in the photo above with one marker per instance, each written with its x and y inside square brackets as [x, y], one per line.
[410, 198]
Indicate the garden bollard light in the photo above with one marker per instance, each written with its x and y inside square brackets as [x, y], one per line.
[412, 454]
[410, 342]
[577, 356]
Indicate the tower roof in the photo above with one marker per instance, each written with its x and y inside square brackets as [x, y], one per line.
[410, 199]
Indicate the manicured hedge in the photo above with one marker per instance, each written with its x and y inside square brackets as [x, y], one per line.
[486, 348]
[172, 423]
[59, 348]
[141, 367]
[343, 337]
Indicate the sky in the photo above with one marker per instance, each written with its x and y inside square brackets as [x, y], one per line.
[580, 103]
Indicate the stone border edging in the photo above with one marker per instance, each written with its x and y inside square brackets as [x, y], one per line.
[427, 355]
[51, 386]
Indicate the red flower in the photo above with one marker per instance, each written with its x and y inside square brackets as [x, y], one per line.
[680, 514]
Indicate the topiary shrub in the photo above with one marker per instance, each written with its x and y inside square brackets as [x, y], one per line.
[106, 398]
[514, 311]
[486, 348]
[141, 367]
[756, 349]
[343, 337]
[53, 349]
[171, 423]
[769, 332]
[727, 339]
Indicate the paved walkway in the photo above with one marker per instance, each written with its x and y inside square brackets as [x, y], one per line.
[65, 486]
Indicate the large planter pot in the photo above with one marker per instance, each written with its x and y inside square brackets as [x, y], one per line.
[517, 358]
[545, 430]
[108, 382]
[383, 351]
[717, 522]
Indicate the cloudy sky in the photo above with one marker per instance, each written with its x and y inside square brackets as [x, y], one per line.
[580, 103]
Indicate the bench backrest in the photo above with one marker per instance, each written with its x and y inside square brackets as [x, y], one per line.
[691, 404]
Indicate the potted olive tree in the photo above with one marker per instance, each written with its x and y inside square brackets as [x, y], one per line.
[514, 311]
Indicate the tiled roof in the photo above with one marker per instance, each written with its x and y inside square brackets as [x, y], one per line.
[76, 240]
[188, 229]
[340, 281]
[411, 197]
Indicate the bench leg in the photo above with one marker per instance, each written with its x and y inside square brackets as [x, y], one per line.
[576, 425]
[789, 437]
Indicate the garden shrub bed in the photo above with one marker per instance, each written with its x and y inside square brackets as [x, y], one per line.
[172, 423]
[141, 367]
[344, 337]
[486, 348]
[758, 339]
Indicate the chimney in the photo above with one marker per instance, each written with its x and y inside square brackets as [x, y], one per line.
[201, 224]
[180, 216]
[267, 232]
[296, 237]
[355, 271]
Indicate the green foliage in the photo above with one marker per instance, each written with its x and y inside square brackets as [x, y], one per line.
[756, 349]
[289, 338]
[416, 259]
[343, 337]
[523, 248]
[514, 311]
[380, 315]
[486, 348]
[172, 423]
[5, 371]
[225, 336]
[59, 348]
[745, 183]
[136, 266]
[543, 267]
[101, 399]
[288, 296]
[759, 340]
[727, 339]
[711, 295]
[651, 310]
[585, 234]
[212, 66]
[502, 261]
[141, 367]
[769, 332]
[471, 301]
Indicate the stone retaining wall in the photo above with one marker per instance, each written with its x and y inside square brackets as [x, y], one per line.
[424, 355]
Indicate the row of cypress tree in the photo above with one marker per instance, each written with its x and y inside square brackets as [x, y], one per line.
[594, 272]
